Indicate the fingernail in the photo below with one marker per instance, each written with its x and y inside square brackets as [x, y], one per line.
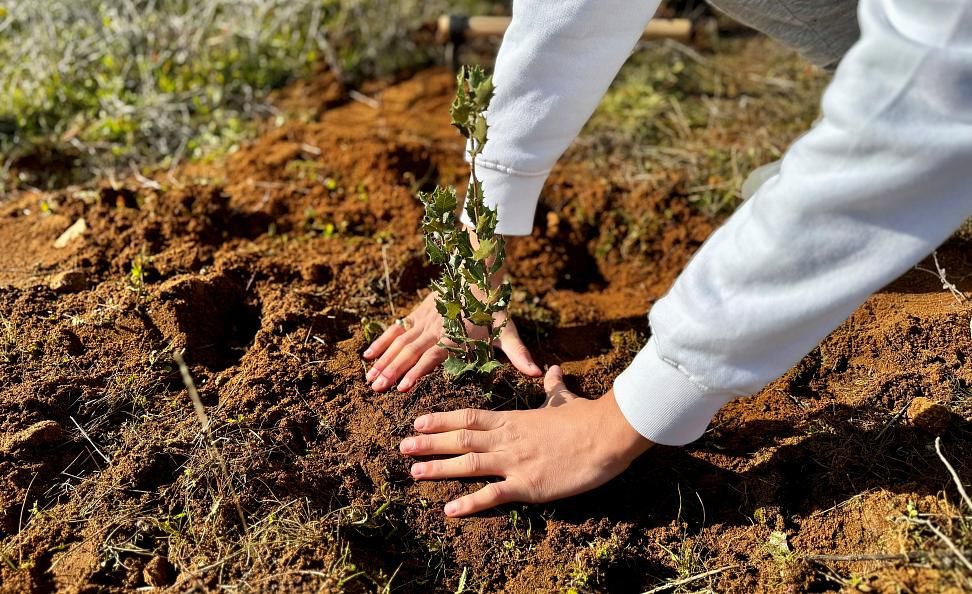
[451, 508]
[367, 354]
[421, 423]
[416, 470]
[405, 385]
[372, 374]
[408, 445]
[380, 384]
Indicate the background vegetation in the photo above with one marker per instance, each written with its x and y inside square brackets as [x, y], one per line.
[111, 84]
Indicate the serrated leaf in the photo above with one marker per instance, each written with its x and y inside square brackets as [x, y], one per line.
[486, 225]
[479, 131]
[480, 318]
[452, 311]
[464, 246]
[436, 255]
[498, 261]
[456, 367]
[489, 366]
[444, 200]
[474, 273]
[485, 249]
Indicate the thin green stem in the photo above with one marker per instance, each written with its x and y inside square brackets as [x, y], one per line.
[477, 201]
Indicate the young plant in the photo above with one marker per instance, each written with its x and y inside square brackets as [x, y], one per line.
[468, 293]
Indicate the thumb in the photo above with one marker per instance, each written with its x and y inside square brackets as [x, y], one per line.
[517, 352]
[556, 389]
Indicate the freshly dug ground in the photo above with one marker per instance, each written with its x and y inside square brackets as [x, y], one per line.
[270, 269]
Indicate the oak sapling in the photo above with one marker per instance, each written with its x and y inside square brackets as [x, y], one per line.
[465, 292]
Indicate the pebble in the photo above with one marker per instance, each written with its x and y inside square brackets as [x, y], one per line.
[71, 281]
[73, 232]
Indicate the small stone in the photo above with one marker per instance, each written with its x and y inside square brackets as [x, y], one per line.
[71, 233]
[71, 281]
[553, 224]
[158, 572]
[37, 435]
[929, 416]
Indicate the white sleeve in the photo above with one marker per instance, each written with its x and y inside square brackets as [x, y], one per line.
[878, 184]
[556, 62]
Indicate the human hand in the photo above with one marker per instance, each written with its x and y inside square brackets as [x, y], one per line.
[567, 446]
[415, 351]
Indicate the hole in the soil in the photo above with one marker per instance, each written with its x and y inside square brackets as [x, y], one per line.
[213, 220]
[318, 273]
[217, 316]
[576, 343]
[414, 166]
[153, 468]
[805, 372]
[414, 275]
[565, 256]
[583, 273]
[330, 325]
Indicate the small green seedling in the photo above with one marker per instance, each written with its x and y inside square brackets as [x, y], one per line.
[138, 272]
[465, 291]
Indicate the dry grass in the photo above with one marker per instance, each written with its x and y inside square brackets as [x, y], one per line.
[933, 549]
[710, 118]
[113, 85]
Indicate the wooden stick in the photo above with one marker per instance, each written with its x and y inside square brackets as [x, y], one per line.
[495, 26]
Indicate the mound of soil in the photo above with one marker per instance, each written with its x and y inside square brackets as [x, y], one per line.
[268, 270]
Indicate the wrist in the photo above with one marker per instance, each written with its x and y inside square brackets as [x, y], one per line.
[624, 442]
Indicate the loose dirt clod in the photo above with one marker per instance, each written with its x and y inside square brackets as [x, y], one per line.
[40, 434]
[929, 416]
[70, 281]
[158, 572]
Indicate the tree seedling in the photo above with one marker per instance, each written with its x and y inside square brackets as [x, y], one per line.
[138, 272]
[465, 295]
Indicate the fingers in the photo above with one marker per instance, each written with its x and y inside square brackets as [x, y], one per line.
[467, 465]
[404, 359]
[517, 352]
[391, 352]
[378, 346]
[553, 384]
[461, 441]
[426, 364]
[467, 418]
[410, 344]
[489, 496]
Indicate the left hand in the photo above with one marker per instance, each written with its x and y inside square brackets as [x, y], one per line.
[567, 446]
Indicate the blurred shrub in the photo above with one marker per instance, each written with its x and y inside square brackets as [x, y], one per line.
[146, 81]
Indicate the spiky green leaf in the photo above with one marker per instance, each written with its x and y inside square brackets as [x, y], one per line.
[485, 249]
[456, 367]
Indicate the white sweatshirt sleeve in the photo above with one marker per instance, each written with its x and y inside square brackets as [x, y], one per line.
[878, 184]
[557, 59]
[881, 181]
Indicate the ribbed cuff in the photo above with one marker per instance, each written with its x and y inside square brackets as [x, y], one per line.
[661, 402]
[514, 196]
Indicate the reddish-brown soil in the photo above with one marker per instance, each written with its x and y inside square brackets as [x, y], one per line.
[266, 270]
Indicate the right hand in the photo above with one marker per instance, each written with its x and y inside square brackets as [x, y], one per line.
[415, 352]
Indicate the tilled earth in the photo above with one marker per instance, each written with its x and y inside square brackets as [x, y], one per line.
[271, 268]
